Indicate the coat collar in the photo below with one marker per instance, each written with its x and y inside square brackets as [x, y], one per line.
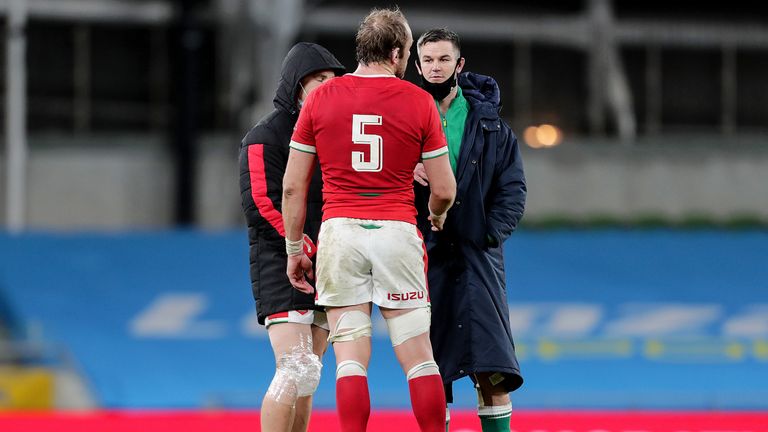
[483, 94]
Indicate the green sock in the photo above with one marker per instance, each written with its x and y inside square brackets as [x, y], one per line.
[495, 418]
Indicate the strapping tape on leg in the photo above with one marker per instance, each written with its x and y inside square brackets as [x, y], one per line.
[480, 399]
[495, 411]
[350, 368]
[409, 325]
[424, 369]
[350, 326]
[494, 379]
[297, 375]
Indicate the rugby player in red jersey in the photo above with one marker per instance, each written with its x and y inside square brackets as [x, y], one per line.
[368, 130]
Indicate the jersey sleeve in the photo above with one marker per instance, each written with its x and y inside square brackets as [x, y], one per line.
[435, 143]
[303, 138]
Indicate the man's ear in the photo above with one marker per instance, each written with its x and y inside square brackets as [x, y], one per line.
[460, 65]
[394, 55]
[418, 68]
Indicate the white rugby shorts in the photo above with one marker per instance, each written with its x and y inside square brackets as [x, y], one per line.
[379, 261]
[305, 316]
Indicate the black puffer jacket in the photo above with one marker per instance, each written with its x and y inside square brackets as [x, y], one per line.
[263, 157]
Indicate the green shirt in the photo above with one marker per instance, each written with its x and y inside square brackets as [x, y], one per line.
[453, 125]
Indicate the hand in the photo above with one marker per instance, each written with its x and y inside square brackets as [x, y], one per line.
[437, 221]
[420, 174]
[299, 268]
[309, 246]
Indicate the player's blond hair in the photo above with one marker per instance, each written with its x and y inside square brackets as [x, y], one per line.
[381, 31]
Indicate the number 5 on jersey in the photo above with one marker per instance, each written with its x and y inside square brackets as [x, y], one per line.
[359, 121]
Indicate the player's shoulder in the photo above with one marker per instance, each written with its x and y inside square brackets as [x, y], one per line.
[414, 89]
[331, 86]
[268, 130]
[419, 99]
[336, 82]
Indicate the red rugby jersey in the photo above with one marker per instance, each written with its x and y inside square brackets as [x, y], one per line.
[369, 132]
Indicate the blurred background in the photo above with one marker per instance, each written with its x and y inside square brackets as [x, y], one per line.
[637, 281]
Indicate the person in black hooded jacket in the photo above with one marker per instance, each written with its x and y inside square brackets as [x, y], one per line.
[297, 329]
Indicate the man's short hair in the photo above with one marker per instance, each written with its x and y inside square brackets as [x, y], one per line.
[438, 35]
[381, 31]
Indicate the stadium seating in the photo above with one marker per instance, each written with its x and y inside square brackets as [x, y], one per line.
[602, 319]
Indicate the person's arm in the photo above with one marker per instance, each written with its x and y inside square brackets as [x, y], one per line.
[442, 186]
[508, 193]
[262, 167]
[437, 166]
[298, 174]
[420, 175]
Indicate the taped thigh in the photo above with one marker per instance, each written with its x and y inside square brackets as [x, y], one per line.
[409, 325]
[351, 325]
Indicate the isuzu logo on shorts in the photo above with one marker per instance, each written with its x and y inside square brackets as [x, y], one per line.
[413, 295]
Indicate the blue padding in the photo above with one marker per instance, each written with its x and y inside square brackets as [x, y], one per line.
[602, 319]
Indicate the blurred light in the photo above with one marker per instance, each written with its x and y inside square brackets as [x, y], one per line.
[548, 135]
[530, 137]
[544, 135]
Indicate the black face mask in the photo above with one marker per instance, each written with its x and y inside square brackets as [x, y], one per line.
[440, 91]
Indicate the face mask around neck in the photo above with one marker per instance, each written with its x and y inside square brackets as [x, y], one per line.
[440, 91]
[301, 100]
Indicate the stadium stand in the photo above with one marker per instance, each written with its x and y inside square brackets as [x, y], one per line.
[602, 319]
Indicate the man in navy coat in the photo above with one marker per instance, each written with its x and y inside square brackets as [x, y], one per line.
[470, 329]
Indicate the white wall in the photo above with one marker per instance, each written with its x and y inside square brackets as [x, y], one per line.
[674, 181]
[126, 182]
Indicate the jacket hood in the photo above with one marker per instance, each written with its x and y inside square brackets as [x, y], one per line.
[480, 89]
[303, 59]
